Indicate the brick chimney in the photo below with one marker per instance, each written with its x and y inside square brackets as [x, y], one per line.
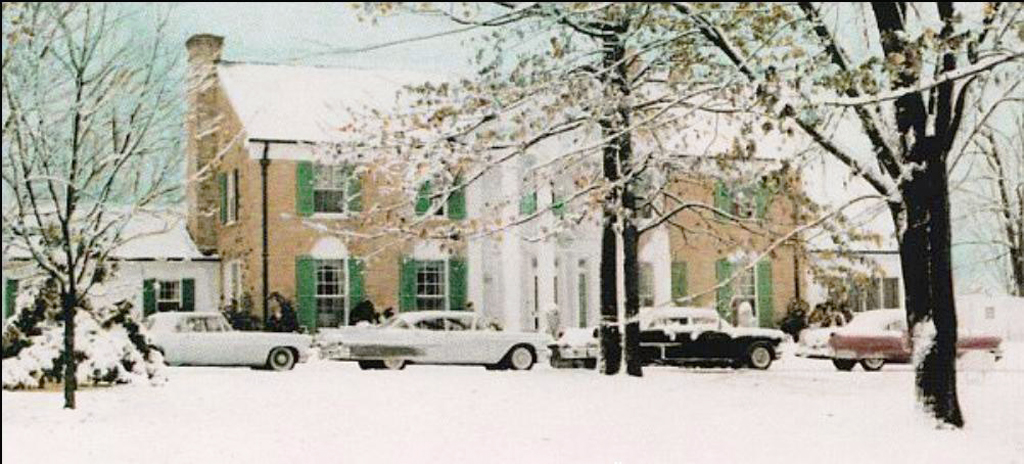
[202, 139]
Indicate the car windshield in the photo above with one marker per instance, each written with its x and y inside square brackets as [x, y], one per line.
[878, 320]
[395, 323]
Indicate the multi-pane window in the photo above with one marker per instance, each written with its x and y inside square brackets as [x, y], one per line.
[891, 292]
[646, 284]
[745, 289]
[745, 202]
[430, 285]
[168, 295]
[330, 188]
[233, 282]
[330, 292]
[876, 293]
[232, 194]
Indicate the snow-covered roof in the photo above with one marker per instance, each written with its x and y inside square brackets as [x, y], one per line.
[308, 103]
[147, 236]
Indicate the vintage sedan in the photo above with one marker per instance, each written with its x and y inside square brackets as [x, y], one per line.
[684, 336]
[435, 337]
[874, 338]
[198, 338]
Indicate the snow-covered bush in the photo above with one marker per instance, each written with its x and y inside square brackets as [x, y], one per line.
[110, 345]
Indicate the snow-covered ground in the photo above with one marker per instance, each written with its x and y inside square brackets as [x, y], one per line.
[798, 411]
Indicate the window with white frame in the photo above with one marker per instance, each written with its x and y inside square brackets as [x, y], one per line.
[168, 295]
[331, 283]
[430, 285]
[232, 194]
[745, 289]
[330, 189]
[745, 202]
[876, 293]
[233, 283]
[646, 289]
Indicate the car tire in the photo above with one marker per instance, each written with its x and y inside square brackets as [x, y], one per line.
[844, 364]
[281, 359]
[872, 364]
[759, 356]
[370, 365]
[520, 358]
[393, 364]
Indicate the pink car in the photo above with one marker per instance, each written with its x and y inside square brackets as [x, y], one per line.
[874, 338]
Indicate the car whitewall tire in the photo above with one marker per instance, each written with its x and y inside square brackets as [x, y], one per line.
[872, 364]
[394, 364]
[281, 359]
[521, 358]
[759, 357]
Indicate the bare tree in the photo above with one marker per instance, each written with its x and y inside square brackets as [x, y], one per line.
[898, 79]
[993, 196]
[90, 138]
[600, 104]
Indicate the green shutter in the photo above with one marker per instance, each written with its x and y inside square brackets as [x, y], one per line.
[222, 181]
[355, 191]
[423, 198]
[148, 297]
[188, 294]
[583, 295]
[765, 294]
[761, 200]
[10, 297]
[457, 202]
[723, 199]
[304, 188]
[528, 203]
[456, 284]
[355, 282]
[305, 291]
[236, 188]
[679, 284]
[407, 285]
[557, 206]
[723, 297]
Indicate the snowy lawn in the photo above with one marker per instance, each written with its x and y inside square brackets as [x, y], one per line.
[798, 411]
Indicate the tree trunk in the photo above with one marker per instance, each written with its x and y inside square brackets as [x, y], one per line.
[631, 273]
[611, 340]
[70, 381]
[928, 284]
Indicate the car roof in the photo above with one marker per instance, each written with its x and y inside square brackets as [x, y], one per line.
[677, 311]
[174, 315]
[416, 316]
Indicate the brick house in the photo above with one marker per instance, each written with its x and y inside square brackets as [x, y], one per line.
[282, 221]
[253, 133]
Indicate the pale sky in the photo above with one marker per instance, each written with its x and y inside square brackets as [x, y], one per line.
[292, 32]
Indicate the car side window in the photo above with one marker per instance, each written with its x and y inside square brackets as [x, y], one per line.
[215, 325]
[194, 324]
[431, 324]
[455, 324]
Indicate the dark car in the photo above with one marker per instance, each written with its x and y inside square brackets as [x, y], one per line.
[684, 336]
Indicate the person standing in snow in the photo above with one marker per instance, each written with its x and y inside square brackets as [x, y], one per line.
[745, 314]
[552, 320]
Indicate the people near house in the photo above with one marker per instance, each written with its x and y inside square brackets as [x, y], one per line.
[363, 314]
[745, 314]
[552, 320]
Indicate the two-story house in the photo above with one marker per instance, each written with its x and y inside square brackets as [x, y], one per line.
[286, 219]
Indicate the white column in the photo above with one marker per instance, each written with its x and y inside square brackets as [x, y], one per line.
[546, 255]
[507, 270]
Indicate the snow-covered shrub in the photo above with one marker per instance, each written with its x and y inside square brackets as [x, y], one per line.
[110, 345]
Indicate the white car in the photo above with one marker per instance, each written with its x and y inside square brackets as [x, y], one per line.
[435, 337]
[196, 338]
